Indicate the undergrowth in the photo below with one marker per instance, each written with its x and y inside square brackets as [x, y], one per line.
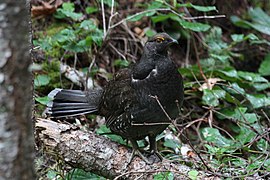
[225, 115]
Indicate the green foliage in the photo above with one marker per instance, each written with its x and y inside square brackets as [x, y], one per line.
[41, 80]
[67, 11]
[121, 63]
[51, 174]
[155, 7]
[164, 175]
[260, 20]
[103, 130]
[235, 97]
[43, 100]
[79, 37]
[264, 69]
[211, 96]
[193, 174]
[198, 8]
[79, 174]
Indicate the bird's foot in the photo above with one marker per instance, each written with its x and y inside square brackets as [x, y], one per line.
[157, 154]
[137, 152]
[149, 157]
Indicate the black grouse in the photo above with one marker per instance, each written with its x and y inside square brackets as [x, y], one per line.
[132, 101]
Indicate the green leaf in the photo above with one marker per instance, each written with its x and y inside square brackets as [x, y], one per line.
[213, 135]
[156, 5]
[258, 100]
[51, 174]
[79, 174]
[251, 117]
[199, 8]
[252, 77]
[238, 114]
[164, 175]
[215, 150]
[68, 6]
[237, 89]
[261, 86]
[43, 100]
[246, 135]
[266, 164]
[215, 42]
[90, 10]
[67, 10]
[97, 37]
[104, 130]
[171, 144]
[194, 26]
[260, 20]
[65, 36]
[265, 66]
[160, 18]
[138, 16]
[237, 37]
[239, 22]
[229, 72]
[121, 63]
[193, 174]
[211, 97]
[149, 33]
[41, 80]
[88, 25]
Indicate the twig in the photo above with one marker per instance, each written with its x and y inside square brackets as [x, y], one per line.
[134, 15]
[198, 61]
[175, 125]
[187, 52]
[150, 124]
[151, 172]
[265, 115]
[103, 19]
[118, 52]
[204, 17]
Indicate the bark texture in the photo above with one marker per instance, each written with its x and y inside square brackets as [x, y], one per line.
[98, 154]
[16, 132]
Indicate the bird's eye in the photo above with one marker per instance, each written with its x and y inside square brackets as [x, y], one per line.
[159, 39]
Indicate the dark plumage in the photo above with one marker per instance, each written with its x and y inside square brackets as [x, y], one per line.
[127, 101]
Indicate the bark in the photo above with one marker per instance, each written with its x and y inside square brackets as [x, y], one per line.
[95, 153]
[16, 132]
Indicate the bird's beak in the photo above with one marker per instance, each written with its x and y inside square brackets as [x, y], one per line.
[174, 41]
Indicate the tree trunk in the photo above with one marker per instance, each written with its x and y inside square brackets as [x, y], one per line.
[16, 132]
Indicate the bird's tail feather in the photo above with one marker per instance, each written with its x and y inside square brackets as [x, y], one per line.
[72, 102]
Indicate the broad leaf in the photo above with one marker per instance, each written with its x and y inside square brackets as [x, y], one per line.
[199, 8]
[265, 66]
[41, 80]
[211, 97]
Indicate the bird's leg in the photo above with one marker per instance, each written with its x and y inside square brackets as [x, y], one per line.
[153, 147]
[136, 152]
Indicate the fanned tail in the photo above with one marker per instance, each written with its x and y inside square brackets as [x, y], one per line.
[73, 102]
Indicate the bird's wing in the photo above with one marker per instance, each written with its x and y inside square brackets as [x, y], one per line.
[143, 70]
[118, 97]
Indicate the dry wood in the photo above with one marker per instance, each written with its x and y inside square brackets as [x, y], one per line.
[98, 154]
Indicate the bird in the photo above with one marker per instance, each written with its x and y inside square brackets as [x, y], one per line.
[138, 102]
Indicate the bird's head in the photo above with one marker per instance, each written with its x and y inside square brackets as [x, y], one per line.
[159, 43]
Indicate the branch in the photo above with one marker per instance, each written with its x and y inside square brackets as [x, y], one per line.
[98, 154]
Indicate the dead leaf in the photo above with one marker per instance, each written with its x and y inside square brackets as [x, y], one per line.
[210, 83]
[46, 8]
